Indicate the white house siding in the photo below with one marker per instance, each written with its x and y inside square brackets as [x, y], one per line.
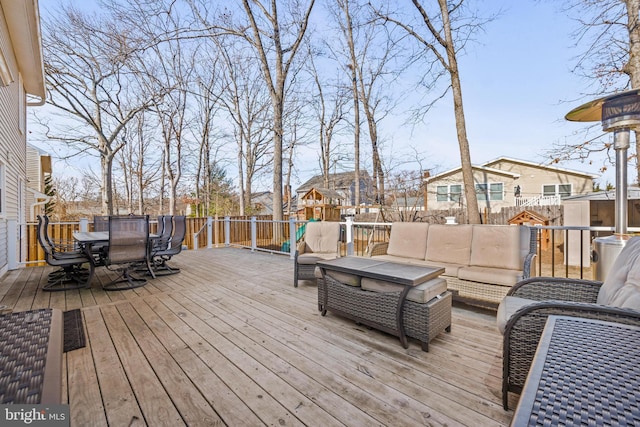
[479, 177]
[12, 143]
[533, 178]
[530, 179]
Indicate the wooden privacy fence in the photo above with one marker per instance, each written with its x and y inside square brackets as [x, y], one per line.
[240, 230]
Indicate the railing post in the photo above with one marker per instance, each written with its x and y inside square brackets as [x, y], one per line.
[12, 244]
[84, 224]
[292, 237]
[254, 237]
[349, 226]
[227, 231]
[195, 241]
[209, 232]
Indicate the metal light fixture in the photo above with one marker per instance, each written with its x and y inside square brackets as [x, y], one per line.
[619, 113]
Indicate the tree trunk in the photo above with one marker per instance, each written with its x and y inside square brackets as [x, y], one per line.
[461, 129]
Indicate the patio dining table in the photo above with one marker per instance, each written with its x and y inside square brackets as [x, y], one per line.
[88, 240]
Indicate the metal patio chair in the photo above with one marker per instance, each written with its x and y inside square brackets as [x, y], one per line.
[72, 274]
[128, 248]
[167, 248]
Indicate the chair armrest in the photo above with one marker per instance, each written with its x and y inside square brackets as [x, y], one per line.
[528, 263]
[379, 248]
[557, 289]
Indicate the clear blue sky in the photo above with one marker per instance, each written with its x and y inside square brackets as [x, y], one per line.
[517, 86]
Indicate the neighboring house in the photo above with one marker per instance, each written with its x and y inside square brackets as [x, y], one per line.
[262, 203]
[38, 168]
[21, 85]
[505, 182]
[343, 184]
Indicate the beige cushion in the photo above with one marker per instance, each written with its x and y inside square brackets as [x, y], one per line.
[497, 276]
[408, 239]
[345, 278]
[507, 308]
[312, 258]
[499, 246]
[621, 288]
[421, 293]
[450, 244]
[322, 237]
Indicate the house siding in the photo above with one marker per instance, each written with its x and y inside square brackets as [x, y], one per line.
[12, 143]
[530, 179]
[479, 177]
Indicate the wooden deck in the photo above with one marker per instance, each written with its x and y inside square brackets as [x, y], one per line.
[230, 341]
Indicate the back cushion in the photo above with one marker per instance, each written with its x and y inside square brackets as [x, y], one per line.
[322, 236]
[621, 288]
[408, 239]
[449, 243]
[499, 246]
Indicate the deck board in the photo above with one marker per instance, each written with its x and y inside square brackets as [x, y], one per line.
[230, 341]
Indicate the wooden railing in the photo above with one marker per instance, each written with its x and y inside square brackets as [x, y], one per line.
[562, 251]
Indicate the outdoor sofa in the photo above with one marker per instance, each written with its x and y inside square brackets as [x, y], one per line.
[481, 262]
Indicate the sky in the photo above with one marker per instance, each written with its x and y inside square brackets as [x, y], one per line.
[517, 86]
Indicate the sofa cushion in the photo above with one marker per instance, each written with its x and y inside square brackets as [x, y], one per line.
[507, 307]
[621, 288]
[408, 239]
[499, 246]
[322, 236]
[421, 293]
[344, 278]
[450, 244]
[313, 258]
[497, 276]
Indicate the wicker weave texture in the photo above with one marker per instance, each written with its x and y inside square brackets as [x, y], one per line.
[482, 292]
[421, 321]
[589, 376]
[557, 289]
[24, 338]
[525, 328]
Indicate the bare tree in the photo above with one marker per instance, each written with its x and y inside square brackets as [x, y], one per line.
[609, 33]
[247, 102]
[435, 35]
[275, 31]
[89, 83]
[329, 101]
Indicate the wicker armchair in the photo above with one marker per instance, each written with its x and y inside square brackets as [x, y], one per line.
[321, 242]
[523, 313]
[72, 274]
[128, 247]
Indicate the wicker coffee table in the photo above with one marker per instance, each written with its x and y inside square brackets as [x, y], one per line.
[386, 311]
[585, 372]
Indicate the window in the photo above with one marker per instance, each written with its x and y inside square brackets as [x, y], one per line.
[449, 193]
[493, 191]
[455, 193]
[562, 190]
[481, 192]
